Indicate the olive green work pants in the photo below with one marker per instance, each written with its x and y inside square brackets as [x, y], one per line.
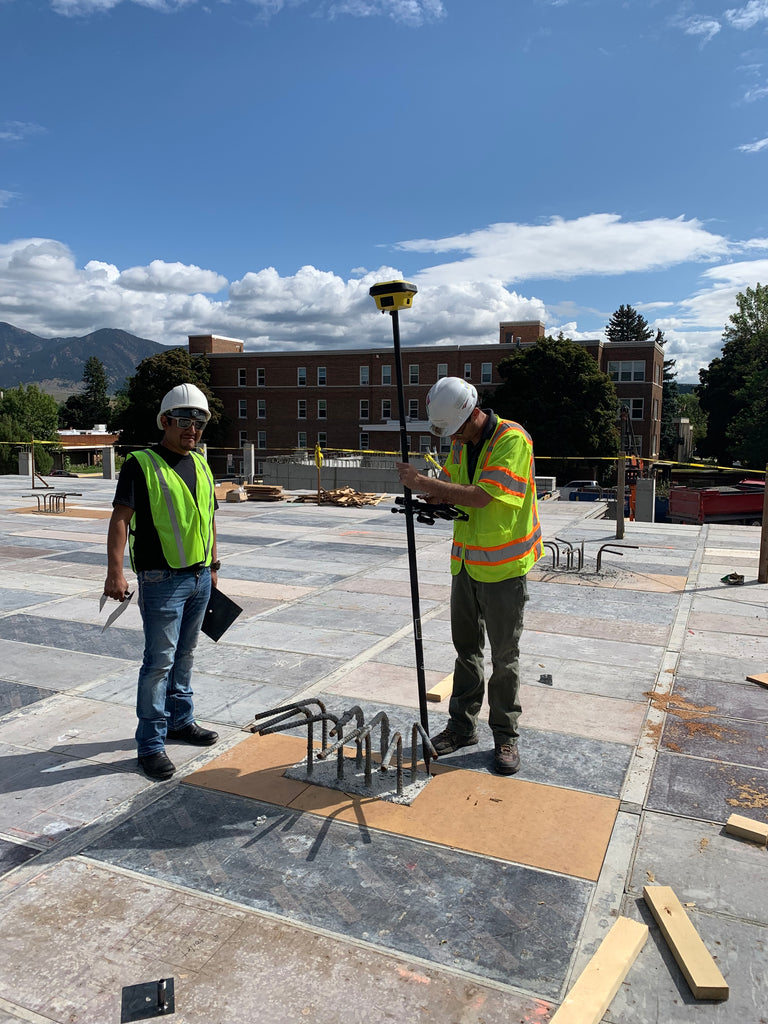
[495, 608]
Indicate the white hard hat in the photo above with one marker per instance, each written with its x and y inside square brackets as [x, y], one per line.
[188, 397]
[449, 403]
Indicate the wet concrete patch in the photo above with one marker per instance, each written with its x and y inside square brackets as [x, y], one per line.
[696, 788]
[17, 695]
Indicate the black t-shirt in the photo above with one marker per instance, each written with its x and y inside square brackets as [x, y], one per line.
[473, 450]
[132, 491]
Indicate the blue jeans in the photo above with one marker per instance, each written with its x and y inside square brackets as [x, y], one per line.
[172, 606]
[498, 609]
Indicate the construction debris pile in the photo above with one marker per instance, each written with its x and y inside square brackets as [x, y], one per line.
[345, 496]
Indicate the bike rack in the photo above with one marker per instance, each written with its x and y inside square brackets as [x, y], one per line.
[291, 716]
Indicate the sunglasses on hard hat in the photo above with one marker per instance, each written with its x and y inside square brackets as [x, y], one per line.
[184, 419]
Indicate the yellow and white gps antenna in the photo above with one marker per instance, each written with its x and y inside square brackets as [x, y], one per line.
[392, 295]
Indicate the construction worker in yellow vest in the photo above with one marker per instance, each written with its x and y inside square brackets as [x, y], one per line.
[490, 471]
[164, 508]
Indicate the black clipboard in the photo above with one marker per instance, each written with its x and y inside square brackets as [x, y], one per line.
[219, 615]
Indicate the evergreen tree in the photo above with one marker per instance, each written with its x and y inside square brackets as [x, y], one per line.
[139, 401]
[733, 389]
[557, 391]
[92, 405]
[627, 324]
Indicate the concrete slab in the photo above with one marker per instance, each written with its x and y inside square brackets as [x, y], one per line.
[15, 695]
[83, 920]
[56, 670]
[695, 788]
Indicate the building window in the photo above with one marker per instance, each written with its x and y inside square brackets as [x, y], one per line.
[635, 406]
[301, 409]
[364, 408]
[386, 375]
[242, 409]
[425, 443]
[445, 445]
[242, 438]
[486, 373]
[322, 438]
[467, 371]
[321, 376]
[408, 442]
[365, 377]
[655, 413]
[242, 378]
[364, 442]
[626, 370]
[386, 409]
[261, 409]
[442, 370]
[657, 373]
[413, 373]
[322, 409]
[654, 445]
[261, 439]
[261, 376]
[302, 439]
[413, 408]
[301, 376]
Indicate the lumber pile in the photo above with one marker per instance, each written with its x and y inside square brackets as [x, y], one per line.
[264, 492]
[345, 496]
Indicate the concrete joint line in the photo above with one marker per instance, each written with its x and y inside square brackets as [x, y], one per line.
[23, 1014]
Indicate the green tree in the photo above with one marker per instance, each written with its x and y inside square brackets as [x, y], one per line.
[557, 391]
[670, 406]
[733, 388]
[27, 413]
[690, 407]
[92, 405]
[626, 324]
[139, 401]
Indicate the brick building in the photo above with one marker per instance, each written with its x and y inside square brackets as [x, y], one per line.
[347, 399]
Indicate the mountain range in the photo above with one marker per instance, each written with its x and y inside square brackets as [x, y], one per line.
[56, 364]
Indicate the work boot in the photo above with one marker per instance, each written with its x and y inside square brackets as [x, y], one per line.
[506, 758]
[447, 741]
[194, 734]
[157, 766]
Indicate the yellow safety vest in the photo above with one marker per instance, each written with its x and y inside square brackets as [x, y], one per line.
[184, 523]
[503, 539]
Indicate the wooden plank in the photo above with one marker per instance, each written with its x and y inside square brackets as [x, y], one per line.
[693, 958]
[442, 689]
[599, 982]
[761, 678]
[747, 828]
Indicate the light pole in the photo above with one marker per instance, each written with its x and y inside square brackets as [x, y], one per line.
[391, 297]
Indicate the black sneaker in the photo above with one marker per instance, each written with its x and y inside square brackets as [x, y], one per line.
[157, 766]
[447, 741]
[506, 758]
[194, 734]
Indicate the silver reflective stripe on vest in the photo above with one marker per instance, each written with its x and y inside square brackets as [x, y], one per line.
[495, 556]
[505, 480]
[202, 468]
[171, 508]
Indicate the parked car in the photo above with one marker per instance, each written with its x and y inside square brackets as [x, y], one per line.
[62, 472]
[574, 485]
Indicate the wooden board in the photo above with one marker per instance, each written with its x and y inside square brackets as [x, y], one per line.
[442, 689]
[761, 678]
[599, 982]
[747, 828]
[693, 958]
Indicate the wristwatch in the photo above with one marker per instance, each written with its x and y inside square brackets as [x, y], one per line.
[215, 566]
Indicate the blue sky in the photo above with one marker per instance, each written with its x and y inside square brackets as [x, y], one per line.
[251, 167]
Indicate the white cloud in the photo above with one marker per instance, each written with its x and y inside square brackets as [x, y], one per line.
[410, 12]
[599, 243]
[748, 16]
[754, 147]
[16, 131]
[171, 277]
[697, 25]
[7, 197]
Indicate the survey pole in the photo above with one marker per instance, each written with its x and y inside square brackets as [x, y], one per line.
[390, 298]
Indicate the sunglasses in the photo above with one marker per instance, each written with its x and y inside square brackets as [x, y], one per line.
[187, 421]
